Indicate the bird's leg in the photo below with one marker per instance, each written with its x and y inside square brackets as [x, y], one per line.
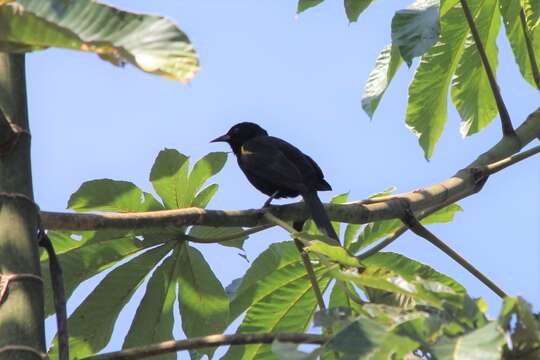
[272, 197]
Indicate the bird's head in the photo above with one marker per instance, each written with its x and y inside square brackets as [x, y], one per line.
[240, 133]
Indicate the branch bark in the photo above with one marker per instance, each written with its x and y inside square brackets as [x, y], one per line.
[209, 341]
[465, 182]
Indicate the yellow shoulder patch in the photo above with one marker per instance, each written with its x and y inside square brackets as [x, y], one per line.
[244, 151]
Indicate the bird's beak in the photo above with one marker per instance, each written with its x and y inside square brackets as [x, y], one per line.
[222, 138]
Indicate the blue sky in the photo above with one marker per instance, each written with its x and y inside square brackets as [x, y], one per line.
[302, 79]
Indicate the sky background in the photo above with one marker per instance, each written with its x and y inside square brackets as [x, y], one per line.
[302, 79]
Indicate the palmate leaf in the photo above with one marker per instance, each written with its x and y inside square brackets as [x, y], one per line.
[278, 297]
[471, 92]
[203, 303]
[153, 44]
[514, 32]
[532, 13]
[91, 325]
[428, 92]
[416, 29]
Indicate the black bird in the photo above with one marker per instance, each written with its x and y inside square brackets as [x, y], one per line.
[278, 169]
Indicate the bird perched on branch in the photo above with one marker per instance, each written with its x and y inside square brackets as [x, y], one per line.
[278, 169]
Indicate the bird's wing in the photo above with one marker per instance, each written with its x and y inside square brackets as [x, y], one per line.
[262, 159]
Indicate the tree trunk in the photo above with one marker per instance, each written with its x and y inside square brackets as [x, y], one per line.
[21, 312]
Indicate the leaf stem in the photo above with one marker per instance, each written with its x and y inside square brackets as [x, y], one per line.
[530, 48]
[412, 223]
[506, 122]
[209, 341]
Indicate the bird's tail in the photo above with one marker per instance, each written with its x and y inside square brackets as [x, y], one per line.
[319, 215]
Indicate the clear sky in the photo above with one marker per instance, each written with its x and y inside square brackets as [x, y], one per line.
[302, 79]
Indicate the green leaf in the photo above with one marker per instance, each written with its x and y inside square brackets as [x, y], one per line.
[153, 321]
[471, 92]
[354, 8]
[303, 5]
[91, 325]
[350, 234]
[152, 43]
[289, 351]
[278, 297]
[514, 32]
[333, 253]
[516, 315]
[169, 176]
[485, 343]
[85, 261]
[204, 305]
[205, 168]
[385, 68]
[205, 195]
[386, 192]
[112, 195]
[428, 92]
[209, 232]
[444, 215]
[416, 29]
[532, 13]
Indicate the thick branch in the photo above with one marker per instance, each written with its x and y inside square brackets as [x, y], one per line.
[209, 341]
[506, 122]
[464, 183]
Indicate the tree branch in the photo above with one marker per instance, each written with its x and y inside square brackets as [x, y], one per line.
[530, 48]
[506, 122]
[209, 341]
[464, 183]
[414, 225]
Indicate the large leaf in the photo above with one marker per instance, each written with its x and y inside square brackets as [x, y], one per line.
[485, 343]
[91, 325]
[154, 320]
[203, 169]
[514, 32]
[428, 92]
[83, 262]
[524, 326]
[152, 43]
[209, 232]
[278, 297]
[471, 92]
[532, 13]
[204, 305]
[386, 66]
[112, 195]
[416, 29]
[354, 8]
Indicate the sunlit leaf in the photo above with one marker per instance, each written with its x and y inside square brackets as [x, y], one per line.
[514, 32]
[386, 66]
[333, 253]
[471, 92]
[428, 92]
[169, 176]
[152, 43]
[203, 169]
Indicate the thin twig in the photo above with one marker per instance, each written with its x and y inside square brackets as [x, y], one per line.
[219, 239]
[305, 259]
[511, 160]
[420, 230]
[530, 48]
[209, 341]
[506, 122]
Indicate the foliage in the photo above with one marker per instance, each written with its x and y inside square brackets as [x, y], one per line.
[154, 44]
